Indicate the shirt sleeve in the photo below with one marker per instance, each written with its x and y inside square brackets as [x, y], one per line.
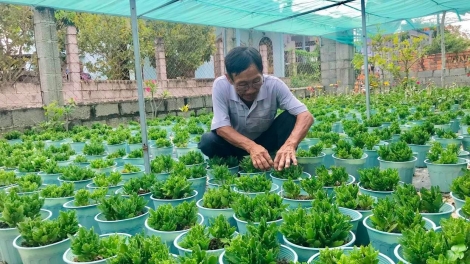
[220, 97]
[287, 101]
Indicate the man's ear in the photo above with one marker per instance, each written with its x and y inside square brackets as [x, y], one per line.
[229, 78]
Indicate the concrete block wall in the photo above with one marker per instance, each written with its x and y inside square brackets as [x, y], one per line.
[336, 66]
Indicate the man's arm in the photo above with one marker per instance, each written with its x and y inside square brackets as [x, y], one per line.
[259, 155]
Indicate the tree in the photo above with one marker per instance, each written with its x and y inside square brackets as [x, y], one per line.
[455, 41]
[16, 42]
[406, 52]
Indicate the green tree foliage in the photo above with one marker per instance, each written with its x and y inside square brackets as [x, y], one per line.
[454, 40]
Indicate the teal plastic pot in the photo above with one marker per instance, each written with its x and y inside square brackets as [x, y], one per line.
[50, 178]
[77, 184]
[285, 253]
[19, 173]
[55, 143]
[132, 147]
[464, 130]
[352, 165]
[129, 226]
[134, 161]
[146, 196]
[95, 157]
[127, 176]
[371, 160]
[7, 235]
[305, 253]
[168, 237]
[64, 163]
[69, 258]
[461, 214]
[362, 237]
[155, 151]
[406, 169]
[328, 160]
[457, 201]
[375, 194]
[210, 214]
[251, 174]
[77, 146]
[55, 205]
[14, 141]
[83, 164]
[199, 185]
[111, 189]
[445, 127]
[46, 254]
[293, 203]
[466, 143]
[309, 164]
[446, 141]
[422, 152]
[188, 252]
[398, 252]
[464, 154]
[162, 176]
[381, 258]
[274, 189]
[173, 202]
[354, 215]
[395, 138]
[330, 190]
[337, 127]
[445, 212]
[233, 171]
[455, 125]
[116, 147]
[241, 224]
[183, 151]
[106, 171]
[280, 182]
[386, 242]
[306, 143]
[442, 175]
[85, 214]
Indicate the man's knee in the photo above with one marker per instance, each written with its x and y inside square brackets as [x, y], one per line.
[207, 141]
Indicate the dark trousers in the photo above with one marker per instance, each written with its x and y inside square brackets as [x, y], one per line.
[272, 139]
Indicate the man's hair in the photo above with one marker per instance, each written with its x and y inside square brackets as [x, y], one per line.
[240, 58]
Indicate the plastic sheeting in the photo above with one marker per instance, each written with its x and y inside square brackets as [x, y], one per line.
[301, 17]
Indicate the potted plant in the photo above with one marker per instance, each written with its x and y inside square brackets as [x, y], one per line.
[374, 122]
[258, 245]
[81, 161]
[221, 175]
[293, 172]
[111, 182]
[363, 254]
[464, 124]
[85, 205]
[94, 150]
[336, 177]
[368, 142]
[231, 162]
[306, 231]
[398, 156]
[13, 137]
[418, 140]
[352, 158]
[247, 168]
[129, 171]
[446, 137]
[139, 186]
[301, 195]
[443, 245]
[174, 190]
[28, 184]
[255, 185]
[162, 146]
[134, 142]
[460, 189]
[79, 176]
[378, 183]
[78, 142]
[30, 165]
[192, 158]
[444, 165]
[118, 156]
[50, 172]
[55, 196]
[135, 157]
[252, 209]
[181, 142]
[348, 196]
[7, 179]
[161, 166]
[13, 210]
[311, 158]
[116, 141]
[387, 222]
[105, 166]
[464, 212]
[45, 241]
[212, 239]
[89, 247]
[218, 202]
[168, 222]
[122, 214]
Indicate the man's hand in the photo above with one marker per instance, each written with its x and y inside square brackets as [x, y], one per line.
[260, 157]
[284, 156]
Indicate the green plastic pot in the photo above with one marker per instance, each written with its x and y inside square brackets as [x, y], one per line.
[352, 165]
[406, 169]
[455, 125]
[386, 242]
[422, 152]
[331, 191]
[132, 147]
[305, 253]
[461, 214]
[155, 151]
[328, 160]
[293, 203]
[382, 258]
[210, 214]
[115, 147]
[337, 127]
[85, 214]
[442, 175]
[274, 189]
[398, 252]
[45, 254]
[466, 143]
[162, 176]
[446, 141]
[199, 185]
[285, 253]
[14, 141]
[188, 252]
[354, 215]
[306, 143]
[127, 176]
[50, 178]
[362, 237]
[371, 160]
[457, 201]
[7, 235]
[464, 130]
[55, 205]
[375, 194]
[77, 146]
[309, 164]
[445, 212]
[173, 202]
[280, 182]
[134, 161]
[445, 127]
[168, 237]
[129, 226]
[77, 184]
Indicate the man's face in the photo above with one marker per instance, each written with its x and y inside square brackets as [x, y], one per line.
[248, 83]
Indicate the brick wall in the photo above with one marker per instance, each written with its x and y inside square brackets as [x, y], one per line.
[434, 62]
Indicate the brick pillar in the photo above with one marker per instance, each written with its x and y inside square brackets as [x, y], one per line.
[47, 48]
[73, 64]
[263, 49]
[291, 59]
[160, 59]
[219, 60]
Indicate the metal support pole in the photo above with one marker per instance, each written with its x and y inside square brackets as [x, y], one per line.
[366, 56]
[237, 37]
[140, 89]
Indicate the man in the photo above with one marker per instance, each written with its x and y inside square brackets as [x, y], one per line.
[245, 104]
